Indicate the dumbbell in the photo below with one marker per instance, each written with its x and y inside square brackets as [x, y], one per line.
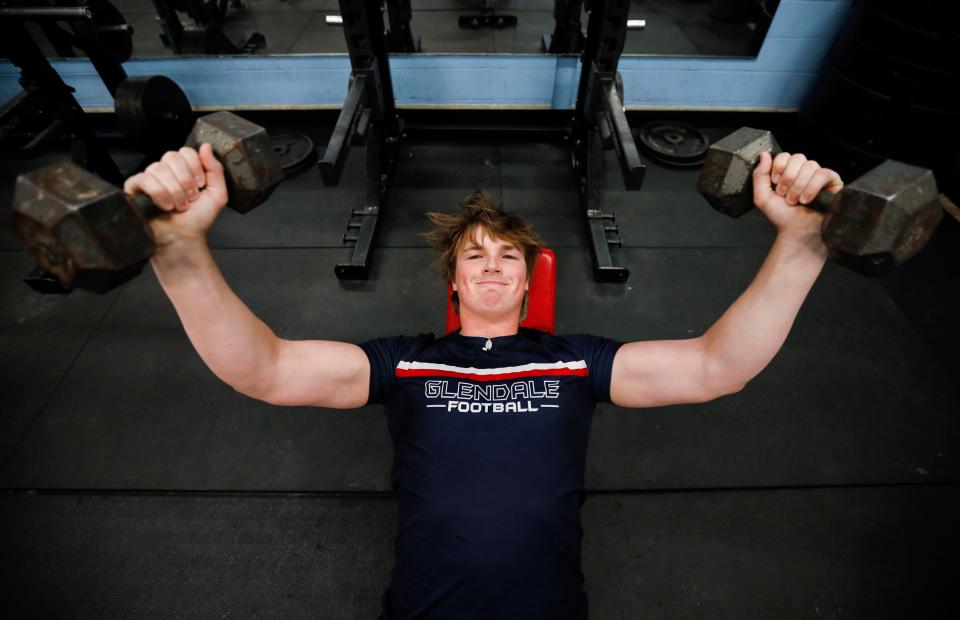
[93, 236]
[872, 225]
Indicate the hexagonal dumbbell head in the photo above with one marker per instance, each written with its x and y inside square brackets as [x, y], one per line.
[726, 179]
[79, 227]
[883, 218]
[250, 165]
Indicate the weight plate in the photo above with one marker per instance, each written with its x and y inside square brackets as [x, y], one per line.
[904, 83]
[931, 49]
[108, 31]
[674, 143]
[295, 150]
[153, 112]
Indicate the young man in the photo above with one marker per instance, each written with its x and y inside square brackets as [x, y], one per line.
[489, 424]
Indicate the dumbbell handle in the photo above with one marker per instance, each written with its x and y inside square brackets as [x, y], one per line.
[822, 202]
[144, 207]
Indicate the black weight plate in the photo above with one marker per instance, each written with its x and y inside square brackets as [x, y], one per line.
[934, 50]
[868, 120]
[933, 15]
[153, 112]
[903, 82]
[295, 150]
[107, 31]
[674, 143]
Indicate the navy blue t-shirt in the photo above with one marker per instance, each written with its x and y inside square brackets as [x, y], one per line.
[489, 456]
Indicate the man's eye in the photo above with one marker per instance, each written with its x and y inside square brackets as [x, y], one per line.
[473, 256]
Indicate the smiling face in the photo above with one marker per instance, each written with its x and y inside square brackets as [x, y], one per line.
[490, 277]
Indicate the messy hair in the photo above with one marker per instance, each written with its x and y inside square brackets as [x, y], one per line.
[479, 213]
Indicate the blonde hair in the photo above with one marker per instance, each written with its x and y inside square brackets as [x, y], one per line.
[478, 212]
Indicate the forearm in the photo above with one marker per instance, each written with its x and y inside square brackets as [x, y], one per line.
[748, 335]
[237, 346]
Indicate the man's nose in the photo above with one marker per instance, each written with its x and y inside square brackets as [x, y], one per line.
[492, 264]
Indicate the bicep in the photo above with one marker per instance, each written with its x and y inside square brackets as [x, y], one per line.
[663, 372]
[320, 373]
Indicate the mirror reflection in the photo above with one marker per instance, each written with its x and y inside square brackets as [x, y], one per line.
[163, 28]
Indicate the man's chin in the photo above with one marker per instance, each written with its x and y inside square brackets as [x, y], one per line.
[497, 309]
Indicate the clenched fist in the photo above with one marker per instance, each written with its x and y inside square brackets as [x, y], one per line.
[784, 182]
[190, 186]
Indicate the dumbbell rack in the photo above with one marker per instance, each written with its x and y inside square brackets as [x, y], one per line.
[369, 114]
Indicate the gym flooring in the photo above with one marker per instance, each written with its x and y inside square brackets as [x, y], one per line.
[136, 484]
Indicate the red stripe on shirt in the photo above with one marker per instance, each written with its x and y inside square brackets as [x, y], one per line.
[426, 372]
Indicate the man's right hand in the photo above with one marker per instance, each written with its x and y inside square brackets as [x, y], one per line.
[188, 185]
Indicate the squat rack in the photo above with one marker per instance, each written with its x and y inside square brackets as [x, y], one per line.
[369, 116]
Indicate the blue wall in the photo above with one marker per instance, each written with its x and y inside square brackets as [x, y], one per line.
[777, 80]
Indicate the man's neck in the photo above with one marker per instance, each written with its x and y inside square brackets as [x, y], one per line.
[486, 328]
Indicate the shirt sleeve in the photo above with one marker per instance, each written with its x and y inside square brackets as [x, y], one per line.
[384, 355]
[598, 352]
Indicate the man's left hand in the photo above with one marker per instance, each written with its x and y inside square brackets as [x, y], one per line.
[783, 183]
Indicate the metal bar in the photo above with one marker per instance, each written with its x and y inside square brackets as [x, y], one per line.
[594, 27]
[631, 167]
[360, 259]
[381, 159]
[170, 25]
[364, 31]
[47, 13]
[567, 37]
[110, 71]
[400, 38]
[385, 101]
[331, 164]
[359, 266]
[588, 163]
[606, 34]
[604, 269]
[612, 35]
[61, 40]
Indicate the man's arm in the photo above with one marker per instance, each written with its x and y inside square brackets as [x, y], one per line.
[236, 345]
[243, 351]
[748, 335]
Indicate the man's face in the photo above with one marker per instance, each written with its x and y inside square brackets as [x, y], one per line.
[491, 276]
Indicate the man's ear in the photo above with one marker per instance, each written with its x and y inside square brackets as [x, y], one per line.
[454, 284]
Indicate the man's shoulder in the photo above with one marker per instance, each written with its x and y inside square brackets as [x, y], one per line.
[547, 336]
[399, 345]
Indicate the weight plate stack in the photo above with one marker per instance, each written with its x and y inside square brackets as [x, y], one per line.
[154, 113]
[674, 144]
[295, 150]
[887, 89]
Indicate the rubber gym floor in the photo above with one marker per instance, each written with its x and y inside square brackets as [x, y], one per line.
[136, 484]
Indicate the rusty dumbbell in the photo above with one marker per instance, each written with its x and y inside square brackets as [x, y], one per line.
[91, 235]
[872, 225]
